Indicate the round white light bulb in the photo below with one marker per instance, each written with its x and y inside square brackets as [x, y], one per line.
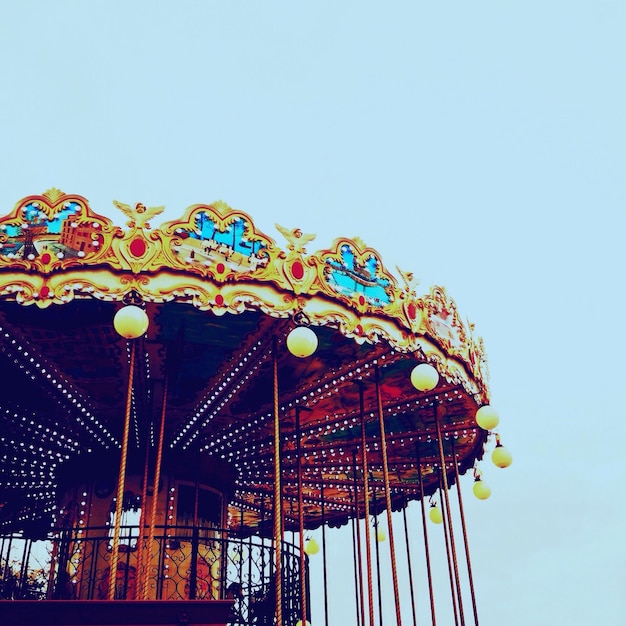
[481, 490]
[487, 417]
[501, 457]
[131, 322]
[302, 342]
[424, 377]
[435, 515]
[311, 547]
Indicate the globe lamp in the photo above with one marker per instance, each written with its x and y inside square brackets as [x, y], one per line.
[380, 535]
[131, 322]
[311, 547]
[424, 377]
[501, 457]
[487, 417]
[299, 623]
[481, 490]
[302, 342]
[435, 515]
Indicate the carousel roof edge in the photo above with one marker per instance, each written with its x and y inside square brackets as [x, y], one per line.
[55, 248]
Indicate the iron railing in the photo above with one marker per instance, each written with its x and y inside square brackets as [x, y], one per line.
[184, 562]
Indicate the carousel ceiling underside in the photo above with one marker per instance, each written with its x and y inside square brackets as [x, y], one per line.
[217, 322]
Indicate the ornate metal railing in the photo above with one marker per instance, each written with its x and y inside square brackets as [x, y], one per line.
[184, 562]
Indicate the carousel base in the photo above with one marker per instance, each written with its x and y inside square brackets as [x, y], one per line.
[115, 613]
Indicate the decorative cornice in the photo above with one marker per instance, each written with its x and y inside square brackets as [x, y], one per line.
[54, 248]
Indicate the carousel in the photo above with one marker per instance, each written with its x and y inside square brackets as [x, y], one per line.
[189, 410]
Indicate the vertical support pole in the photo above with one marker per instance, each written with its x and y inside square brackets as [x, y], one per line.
[24, 566]
[465, 541]
[53, 564]
[142, 547]
[5, 573]
[378, 584]
[358, 538]
[121, 481]
[366, 497]
[408, 560]
[444, 481]
[303, 598]
[324, 554]
[446, 535]
[155, 492]
[263, 537]
[357, 598]
[164, 544]
[193, 569]
[195, 536]
[425, 530]
[278, 503]
[383, 446]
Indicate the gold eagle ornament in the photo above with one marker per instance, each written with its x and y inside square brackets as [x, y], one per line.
[296, 239]
[139, 214]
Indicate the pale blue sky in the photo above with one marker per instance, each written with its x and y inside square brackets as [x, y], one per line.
[481, 145]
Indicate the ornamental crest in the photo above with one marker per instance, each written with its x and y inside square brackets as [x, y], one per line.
[218, 241]
[443, 322]
[357, 274]
[52, 230]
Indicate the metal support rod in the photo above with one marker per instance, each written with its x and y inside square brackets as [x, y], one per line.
[24, 566]
[163, 551]
[155, 486]
[5, 574]
[366, 498]
[53, 564]
[303, 598]
[2, 553]
[425, 530]
[465, 541]
[142, 547]
[378, 581]
[324, 556]
[193, 567]
[357, 597]
[358, 537]
[240, 562]
[408, 560]
[278, 508]
[444, 481]
[446, 536]
[263, 537]
[383, 446]
[121, 481]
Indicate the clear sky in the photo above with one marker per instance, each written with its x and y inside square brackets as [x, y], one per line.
[479, 144]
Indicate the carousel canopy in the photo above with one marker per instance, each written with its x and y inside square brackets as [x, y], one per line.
[221, 298]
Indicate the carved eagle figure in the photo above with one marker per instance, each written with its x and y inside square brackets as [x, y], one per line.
[139, 214]
[296, 239]
[410, 282]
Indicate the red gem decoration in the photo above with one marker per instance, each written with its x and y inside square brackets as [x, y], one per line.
[45, 258]
[412, 310]
[44, 291]
[219, 299]
[358, 330]
[297, 270]
[137, 247]
[361, 300]
[220, 268]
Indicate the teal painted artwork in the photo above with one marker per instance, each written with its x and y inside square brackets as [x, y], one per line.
[37, 232]
[207, 245]
[351, 278]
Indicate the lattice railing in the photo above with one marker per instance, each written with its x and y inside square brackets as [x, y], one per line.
[184, 563]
